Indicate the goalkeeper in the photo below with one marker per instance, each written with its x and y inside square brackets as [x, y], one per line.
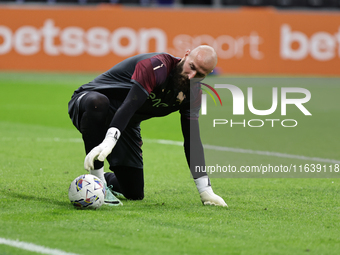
[108, 112]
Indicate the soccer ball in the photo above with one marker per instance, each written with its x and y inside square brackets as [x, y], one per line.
[87, 191]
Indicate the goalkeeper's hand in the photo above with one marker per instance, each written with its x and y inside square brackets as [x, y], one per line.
[101, 151]
[208, 197]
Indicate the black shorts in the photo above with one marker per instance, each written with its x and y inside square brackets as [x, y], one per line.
[128, 150]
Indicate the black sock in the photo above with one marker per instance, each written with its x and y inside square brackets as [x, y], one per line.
[127, 180]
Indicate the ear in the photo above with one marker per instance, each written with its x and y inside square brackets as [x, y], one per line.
[187, 53]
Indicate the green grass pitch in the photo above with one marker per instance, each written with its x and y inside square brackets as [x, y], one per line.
[41, 153]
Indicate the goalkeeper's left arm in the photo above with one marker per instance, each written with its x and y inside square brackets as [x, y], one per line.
[195, 157]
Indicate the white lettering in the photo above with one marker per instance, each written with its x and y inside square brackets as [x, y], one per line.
[49, 33]
[72, 41]
[251, 122]
[238, 123]
[27, 40]
[238, 98]
[322, 46]
[6, 35]
[145, 35]
[272, 120]
[295, 45]
[257, 120]
[204, 104]
[291, 120]
[130, 47]
[75, 41]
[297, 101]
[226, 46]
[220, 121]
[98, 41]
[227, 40]
[288, 38]
[255, 41]
[262, 112]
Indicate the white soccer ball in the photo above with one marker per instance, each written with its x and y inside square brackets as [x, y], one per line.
[87, 191]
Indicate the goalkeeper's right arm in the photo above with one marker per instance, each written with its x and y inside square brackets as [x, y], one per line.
[195, 157]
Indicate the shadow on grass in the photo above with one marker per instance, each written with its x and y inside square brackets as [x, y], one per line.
[17, 195]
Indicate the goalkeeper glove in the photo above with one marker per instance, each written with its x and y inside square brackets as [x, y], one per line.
[101, 151]
[208, 197]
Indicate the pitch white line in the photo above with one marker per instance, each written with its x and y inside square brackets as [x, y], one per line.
[270, 153]
[43, 139]
[247, 151]
[33, 247]
[206, 146]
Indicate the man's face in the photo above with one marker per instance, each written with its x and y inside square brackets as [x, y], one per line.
[195, 66]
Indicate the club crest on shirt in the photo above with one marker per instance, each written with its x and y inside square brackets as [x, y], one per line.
[180, 97]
